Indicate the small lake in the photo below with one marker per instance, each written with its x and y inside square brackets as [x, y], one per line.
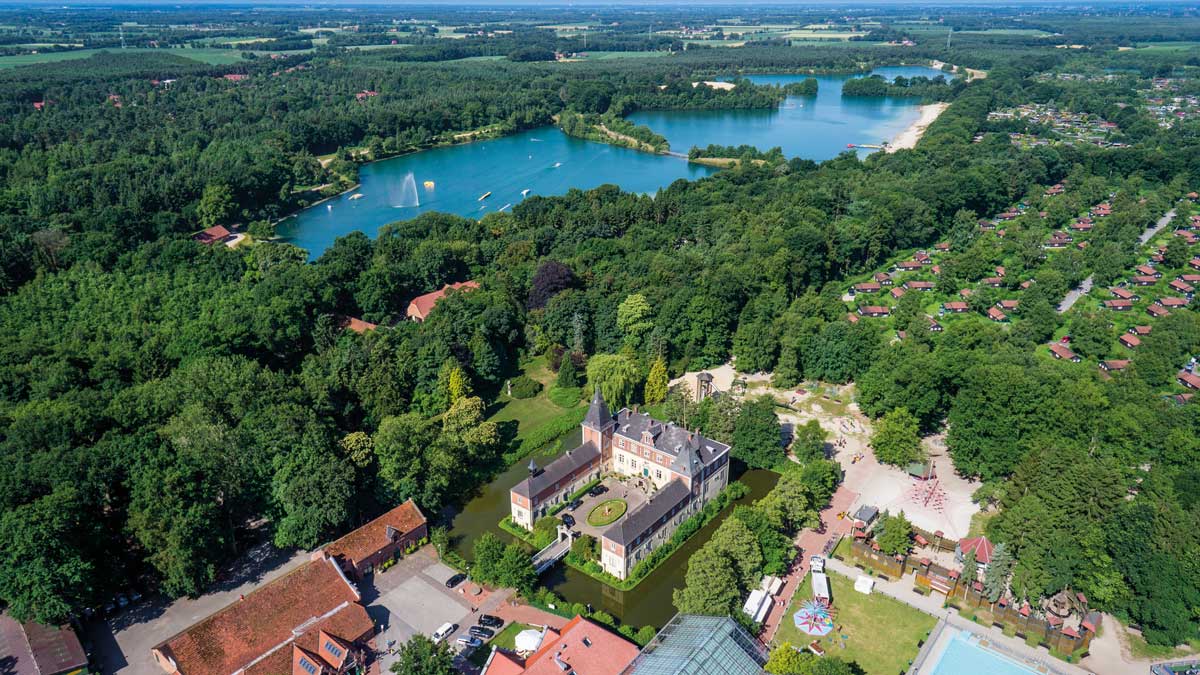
[546, 161]
[650, 602]
[812, 127]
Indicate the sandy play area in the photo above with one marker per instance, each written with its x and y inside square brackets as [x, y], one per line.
[942, 503]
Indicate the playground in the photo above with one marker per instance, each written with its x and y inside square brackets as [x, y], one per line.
[880, 634]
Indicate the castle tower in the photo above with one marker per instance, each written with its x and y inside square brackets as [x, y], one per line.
[598, 426]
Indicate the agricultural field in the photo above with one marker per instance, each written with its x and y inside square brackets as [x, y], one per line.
[203, 55]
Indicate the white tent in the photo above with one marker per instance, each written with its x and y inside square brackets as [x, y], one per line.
[529, 640]
[864, 585]
[757, 605]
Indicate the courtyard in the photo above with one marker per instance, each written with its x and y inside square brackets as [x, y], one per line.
[879, 633]
[616, 490]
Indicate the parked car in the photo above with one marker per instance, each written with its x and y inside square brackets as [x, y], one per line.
[568, 520]
[122, 601]
[490, 621]
[109, 608]
[468, 641]
[597, 490]
[455, 580]
[445, 631]
[575, 504]
[481, 632]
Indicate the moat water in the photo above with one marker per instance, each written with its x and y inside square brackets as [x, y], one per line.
[546, 161]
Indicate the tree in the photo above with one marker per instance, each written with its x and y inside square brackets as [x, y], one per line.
[312, 489]
[458, 385]
[585, 548]
[757, 435]
[656, 382]
[970, 569]
[736, 542]
[995, 578]
[634, 316]
[359, 448]
[897, 438]
[488, 551]
[616, 376]
[1177, 254]
[568, 374]
[896, 534]
[809, 443]
[710, 585]
[516, 570]
[216, 204]
[787, 660]
[422, 656]
[44, 575]
[550, 278]
[1091, 335]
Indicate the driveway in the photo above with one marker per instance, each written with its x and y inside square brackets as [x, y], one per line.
[616, 490]
[121, 644]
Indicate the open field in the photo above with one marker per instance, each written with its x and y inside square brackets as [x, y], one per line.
[1031, 32]
[881, 634]
[607, 56]
[1169, 46]
[209, 56]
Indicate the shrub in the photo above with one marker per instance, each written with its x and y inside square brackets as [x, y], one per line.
[523, 386]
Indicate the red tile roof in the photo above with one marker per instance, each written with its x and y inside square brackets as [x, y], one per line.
[996, 315]
[373, 537]
[213, 235]
[982, 547]
[357, 325]
[34, 649]
[421, 305]
[347, 625]
[1062, 351]
[1130, 341]
[584, 647]
[233, 637]
[956, 306]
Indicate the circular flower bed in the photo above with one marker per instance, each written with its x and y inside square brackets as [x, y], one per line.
[607, 512]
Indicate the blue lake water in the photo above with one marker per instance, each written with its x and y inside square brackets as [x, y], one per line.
[813, 127]
[547, 162]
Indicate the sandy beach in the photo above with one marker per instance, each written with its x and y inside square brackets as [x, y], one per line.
[909, 137]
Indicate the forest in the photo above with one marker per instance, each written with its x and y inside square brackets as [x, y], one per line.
[160, 399]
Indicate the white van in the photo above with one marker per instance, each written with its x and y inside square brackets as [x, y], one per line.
[444, 632]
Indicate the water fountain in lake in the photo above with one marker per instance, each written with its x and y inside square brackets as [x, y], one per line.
[406, 196]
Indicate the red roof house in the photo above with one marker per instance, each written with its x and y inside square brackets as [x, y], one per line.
[1129, 340]
[1061, 351]
[217, 234]
[956, 307]
[995, 314]
[1119, 305]
[874, 310]
[980, 545]
[582, 647]
[357, 325]
[422, 305]
[34, 649]
[865, 287]
[259, 634]
[1188, 380]
[361, 550]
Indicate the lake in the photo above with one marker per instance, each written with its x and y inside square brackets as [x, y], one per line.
[812, 127]
[546, 161]
[650, 602]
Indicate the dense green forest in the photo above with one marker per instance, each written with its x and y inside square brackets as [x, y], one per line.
[158, 397]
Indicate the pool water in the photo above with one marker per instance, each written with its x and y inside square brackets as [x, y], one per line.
[963, 656]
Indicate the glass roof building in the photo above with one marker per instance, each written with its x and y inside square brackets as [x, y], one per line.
[700, 645]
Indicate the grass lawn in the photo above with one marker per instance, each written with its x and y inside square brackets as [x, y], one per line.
[607, 512]
[882, 633]
[505, 639]
[529, 413]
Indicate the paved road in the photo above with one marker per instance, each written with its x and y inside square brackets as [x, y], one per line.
[122, 644]
[1151, 232]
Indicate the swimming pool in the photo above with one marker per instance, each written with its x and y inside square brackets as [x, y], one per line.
[963, 655]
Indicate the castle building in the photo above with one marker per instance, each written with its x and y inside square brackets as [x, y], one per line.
[681, 468]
